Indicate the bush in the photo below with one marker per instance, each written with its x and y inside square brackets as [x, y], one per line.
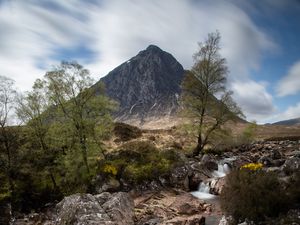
[253, 194]
[137, 162]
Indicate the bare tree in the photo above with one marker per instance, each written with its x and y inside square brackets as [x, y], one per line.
[201, 84]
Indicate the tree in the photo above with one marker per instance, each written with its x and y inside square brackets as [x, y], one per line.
[78, 105]
[33, 110]
[8, 135]
[201, 84]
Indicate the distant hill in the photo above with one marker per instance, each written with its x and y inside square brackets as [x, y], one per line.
[290, 122]
[147, 86]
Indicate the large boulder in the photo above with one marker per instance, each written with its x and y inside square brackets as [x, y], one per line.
[105, 208]
[179, 177]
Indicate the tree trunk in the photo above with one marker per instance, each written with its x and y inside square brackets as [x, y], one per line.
[84, 153]
[199, 147]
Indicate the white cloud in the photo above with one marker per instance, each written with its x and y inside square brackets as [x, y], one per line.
[254, 99]
[291, 112]
[118, 30]
[290, 83]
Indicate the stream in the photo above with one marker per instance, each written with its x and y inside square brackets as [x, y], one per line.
[204, 193]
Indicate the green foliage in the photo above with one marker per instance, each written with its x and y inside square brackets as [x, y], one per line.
[139, 161]
[206, 79]
[249, 133]
[56, 152]
[253, 195]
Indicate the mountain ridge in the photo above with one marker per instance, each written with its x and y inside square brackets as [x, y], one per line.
[295, 121]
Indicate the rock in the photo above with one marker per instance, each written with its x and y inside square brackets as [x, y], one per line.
[195, 180]
[194, 220]
[291, 165]
[111, 185]
[179, 177]
[169, 207]
[216, 185]
[126, 132]
[265, 160]
[187, 204]
[209, 162]
[275, 154]
[224, 221]
[105, 208]
[278, 162]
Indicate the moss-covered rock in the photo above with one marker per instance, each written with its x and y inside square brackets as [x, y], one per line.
[126, 132]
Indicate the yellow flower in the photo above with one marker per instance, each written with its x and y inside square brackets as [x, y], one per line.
[252, 166]
[110, 169]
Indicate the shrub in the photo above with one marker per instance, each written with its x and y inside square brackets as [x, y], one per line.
[253, 194]
[138, 161]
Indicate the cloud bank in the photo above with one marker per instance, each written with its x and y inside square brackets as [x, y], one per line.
[113, 31]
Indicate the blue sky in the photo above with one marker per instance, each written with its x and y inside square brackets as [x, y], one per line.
[260, 40]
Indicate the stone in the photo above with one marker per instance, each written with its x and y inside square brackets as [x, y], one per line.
[187, 204]
[179, 177]
[275, 154]
[217, 185]
[105, 208]
[291, 165]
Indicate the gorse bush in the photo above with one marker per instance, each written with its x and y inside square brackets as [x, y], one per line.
[253, 194]
[252, 166]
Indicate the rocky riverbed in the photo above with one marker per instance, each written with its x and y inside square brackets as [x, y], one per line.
[171, 200]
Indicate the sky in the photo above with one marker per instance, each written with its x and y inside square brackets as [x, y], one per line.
[260, 41]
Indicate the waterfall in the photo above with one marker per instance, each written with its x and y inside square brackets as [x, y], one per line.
[223, 170]
[203, 192]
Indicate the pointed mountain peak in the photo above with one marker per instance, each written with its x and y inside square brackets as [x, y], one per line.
[146, 86]
[153, 48]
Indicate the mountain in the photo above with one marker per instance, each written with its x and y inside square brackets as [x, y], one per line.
[146, 86]
[290, 122]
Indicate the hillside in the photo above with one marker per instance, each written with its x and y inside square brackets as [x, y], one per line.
[290, 122]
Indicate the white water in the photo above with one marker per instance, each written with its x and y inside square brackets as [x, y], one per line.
[203, 192]
[223, 170]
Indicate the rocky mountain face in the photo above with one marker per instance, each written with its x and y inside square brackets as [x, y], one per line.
[146, 86]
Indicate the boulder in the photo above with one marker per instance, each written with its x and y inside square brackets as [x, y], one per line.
[179, 177]
[216, 185]
[291, 165]
[105, 208]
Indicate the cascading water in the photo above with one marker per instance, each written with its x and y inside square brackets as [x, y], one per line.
[203, 192]
[223, 170]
